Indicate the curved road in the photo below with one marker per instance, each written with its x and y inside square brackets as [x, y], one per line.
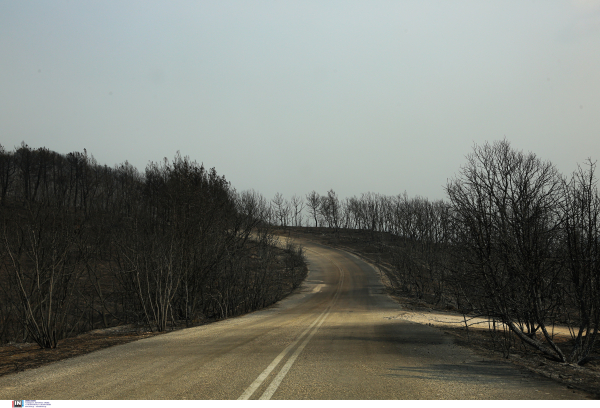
[339, 337]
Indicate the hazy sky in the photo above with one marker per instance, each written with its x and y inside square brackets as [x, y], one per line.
[284, 96]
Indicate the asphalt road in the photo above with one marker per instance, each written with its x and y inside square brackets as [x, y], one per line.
[339, 337]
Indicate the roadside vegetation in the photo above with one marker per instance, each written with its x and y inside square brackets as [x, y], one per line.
[85, 246]
[516, 242]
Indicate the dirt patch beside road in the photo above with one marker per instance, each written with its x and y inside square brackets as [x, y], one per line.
[479, 339]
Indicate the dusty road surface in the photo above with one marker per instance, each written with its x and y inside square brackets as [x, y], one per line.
[339, 337]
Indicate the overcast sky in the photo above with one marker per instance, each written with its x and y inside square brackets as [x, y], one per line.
[284, 96]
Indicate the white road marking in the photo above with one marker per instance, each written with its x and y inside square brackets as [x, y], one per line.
[261, 378]
[284, 370]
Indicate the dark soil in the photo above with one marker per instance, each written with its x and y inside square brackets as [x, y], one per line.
[19, 357]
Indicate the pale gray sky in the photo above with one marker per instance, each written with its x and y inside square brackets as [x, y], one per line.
[291, 96]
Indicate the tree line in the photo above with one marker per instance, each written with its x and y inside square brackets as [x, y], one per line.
[85, 246]
[515, 241]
